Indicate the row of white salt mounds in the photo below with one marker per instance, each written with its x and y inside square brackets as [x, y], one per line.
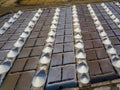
[110, 49]
[117, 3]
[82, 67]
[112, 16]
[10, 22]
[105, 39]
[41, 74]
[7, 63]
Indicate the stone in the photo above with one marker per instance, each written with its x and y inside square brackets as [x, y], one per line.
[36, 51]
[68, 32]
[94, 68]
[59, 39]
[30, 42]
[40, 41]
[101, 53]
[95, 35]
[54, 75]
[114, 41]
[25, 52]
[106, 66]
[69, 72]
[88, 44]
[31, 63]
[68, 47]
[58, 48]
[56, 59]
[1, 44]
[5, 37]
[91, 54]
[110, 33]
[43, 33]
[117, 47]
[34, 35]
[86, 36]
[68, 58]
[18, 65]
[10, 82]
[3, 54]
[117, 32]
[14, 36]
[25, 81]
[68, 38]
[97, 43]
[8, 45]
